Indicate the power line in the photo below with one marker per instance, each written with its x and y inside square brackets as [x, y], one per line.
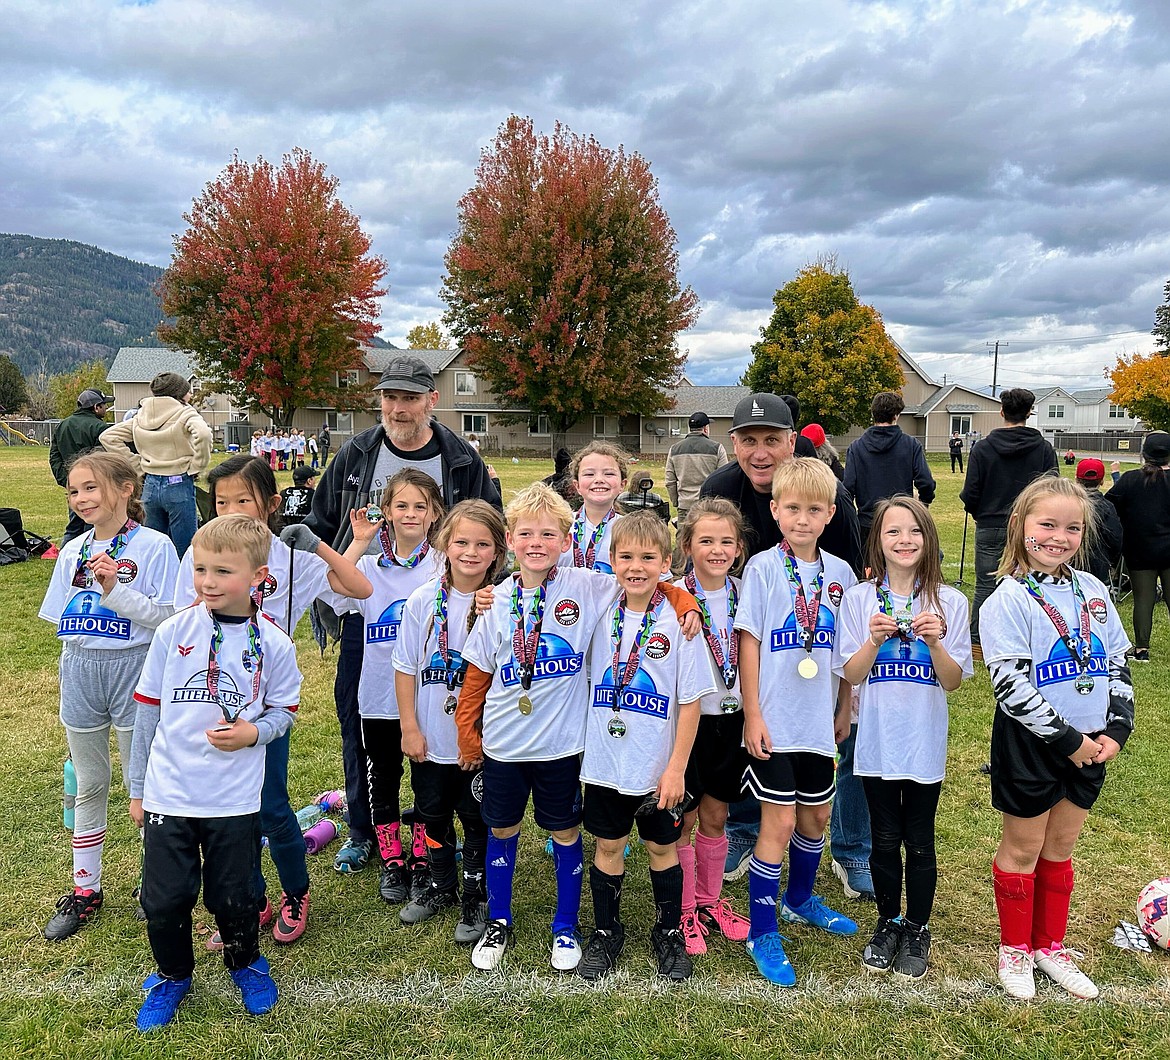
[1031, 345]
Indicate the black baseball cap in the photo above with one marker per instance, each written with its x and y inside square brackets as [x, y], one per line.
[87, 399]
[698, 420]
[407, 373]
[762, 410]
[301, 475]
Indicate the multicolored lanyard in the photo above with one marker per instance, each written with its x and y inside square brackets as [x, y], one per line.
[903, 616]
[729, 664]
[82, 578]
[806, 611]
[525, 645]
[622, 676]
[389, 559]
[440, 626]
[1079, 647]
[586, 558]
[253, 662]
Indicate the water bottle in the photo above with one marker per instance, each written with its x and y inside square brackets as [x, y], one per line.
[331, 801]
[309, 816]
[321, 835]
[69, 798]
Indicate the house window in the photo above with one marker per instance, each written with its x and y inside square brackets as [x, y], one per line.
[1116, 412]
[678, 426]
[605, 426]
[1056, 412]
[339, 422]
[349, 378]
[962, 424]
[465, 384]
[539, 425]
[475, 423]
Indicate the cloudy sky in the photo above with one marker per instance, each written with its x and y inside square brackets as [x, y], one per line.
[984, 170]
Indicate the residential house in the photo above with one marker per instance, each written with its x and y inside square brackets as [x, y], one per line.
[1059, 410]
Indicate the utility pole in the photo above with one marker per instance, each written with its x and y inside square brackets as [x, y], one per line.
[995, 363]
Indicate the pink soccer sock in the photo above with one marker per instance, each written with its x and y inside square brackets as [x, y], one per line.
[686, 861]
[710, 857]
[389, 843]
[87, 860]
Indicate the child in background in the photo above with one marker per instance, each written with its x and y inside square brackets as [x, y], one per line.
[255, 447]
[1056, 652]
[642, 719]
[220, 682]
[313, 451]
[411, 507]
[296, 500]
[905, 641]
[299, 569]
[598, 471]
[712, 538]
[299, 447]
[429, 671]
[796, 710]
[109, 589]
[268, 448]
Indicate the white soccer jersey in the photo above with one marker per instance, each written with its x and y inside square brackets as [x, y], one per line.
[576, 599]
[717, 607]
[87, 618]
[798, 711]
[255, 447]
[307, 573]
[185, 775]
[1013, 626]
[673, 671]
[601, 561]
[416, 652]
[902, 716]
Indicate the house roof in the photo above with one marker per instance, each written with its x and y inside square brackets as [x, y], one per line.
[140, 364]
[713, 400]
[436, 360]
[917, 368]
[1092, 397]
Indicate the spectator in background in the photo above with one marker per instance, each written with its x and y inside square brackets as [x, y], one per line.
[296, 500]
[955, 445]
[638, 497]
[804, 446]
[823, 448]
[77, 433]
[561, 479]
[688, 464]
[324, 440]
[1106, 547]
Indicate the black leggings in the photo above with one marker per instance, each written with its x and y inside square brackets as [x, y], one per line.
[901, 813]
[1145, 595]
[384, 765]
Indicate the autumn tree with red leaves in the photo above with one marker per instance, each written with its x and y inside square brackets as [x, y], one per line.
[273, 287]
[562, 280]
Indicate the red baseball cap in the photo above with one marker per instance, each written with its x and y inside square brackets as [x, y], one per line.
[1091, 470]
[815, 433]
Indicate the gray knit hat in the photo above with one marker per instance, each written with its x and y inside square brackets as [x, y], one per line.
[170, 384]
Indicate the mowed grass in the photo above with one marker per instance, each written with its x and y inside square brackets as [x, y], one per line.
[360, 983]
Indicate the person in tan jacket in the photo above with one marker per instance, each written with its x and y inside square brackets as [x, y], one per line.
[171, 445]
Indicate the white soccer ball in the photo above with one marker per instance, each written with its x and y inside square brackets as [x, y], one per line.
[1153, 911]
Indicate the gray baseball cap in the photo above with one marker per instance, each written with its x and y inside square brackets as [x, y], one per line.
[87, 399]
[407, 373]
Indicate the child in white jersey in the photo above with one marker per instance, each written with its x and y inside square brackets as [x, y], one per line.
[647, 679]
[220, 682]
[796, 710]
[1056, 651]
[110, 588]
[598, 471]
[904, 640]
[429, 671]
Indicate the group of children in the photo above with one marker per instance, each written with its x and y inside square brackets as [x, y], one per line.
[284, 449]
[586, 665]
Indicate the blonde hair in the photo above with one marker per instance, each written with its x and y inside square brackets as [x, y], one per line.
[714, 508]
[805, 477]
[928, 573]
[640, 528]
[1016, 556]
[113, 471]
[615, 452]
[537, 501]
[483, 514]
[236, 533]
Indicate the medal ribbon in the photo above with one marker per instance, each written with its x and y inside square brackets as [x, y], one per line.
[887, 604]
[1079, 647]
[440, 625]
[117, 547]
[214, 670]
[805, 610]
[526, 644]
[586, 558]
[729, 664]
[622, 676]
[388, 559]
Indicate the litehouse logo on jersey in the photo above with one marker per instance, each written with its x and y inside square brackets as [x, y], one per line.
[435, 673]
[567, 612]
[658, 646]
[902, 660]
[127, 571]
[603, 567]
[386, 627]
[790, 635]
[554, 658]
[85, 616]
[196, 691]
[1098, 610]
[641, 696]
[1060, 666]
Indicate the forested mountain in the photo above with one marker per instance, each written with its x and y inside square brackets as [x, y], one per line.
[62, 303]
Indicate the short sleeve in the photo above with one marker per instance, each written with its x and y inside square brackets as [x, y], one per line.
[957, 639]
[284, 676]
[57, 594]
[485, 637]
[415, 630]
[856, 609]
[1005, 629]
[150, 682]
[694, 675]
[749, 616]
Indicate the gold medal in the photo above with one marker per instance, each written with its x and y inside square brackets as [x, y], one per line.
[525, 705]
[807, 667]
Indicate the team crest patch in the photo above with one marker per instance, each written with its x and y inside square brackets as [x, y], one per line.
[835, 593]
[477, 786]
[1098, 610]
[567, 612]
[127, 571]
[658, 646]
[185, 649]
[268, 586]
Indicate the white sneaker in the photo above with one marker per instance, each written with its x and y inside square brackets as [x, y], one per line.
[489, 950]
[1059, 965]
[1015, 973]
[566, 951]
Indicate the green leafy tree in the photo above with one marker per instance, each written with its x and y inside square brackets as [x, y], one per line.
[1161, 330]
[562, 279]
[429, 336]
[273, 288]
[825, 347]
[13, 393]
[64, 387]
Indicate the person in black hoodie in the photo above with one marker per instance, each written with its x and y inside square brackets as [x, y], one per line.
[1106, 548]
[999, 467]
[1142, 500]
[885, 461]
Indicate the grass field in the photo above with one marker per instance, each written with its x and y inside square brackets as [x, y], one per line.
[360, 983]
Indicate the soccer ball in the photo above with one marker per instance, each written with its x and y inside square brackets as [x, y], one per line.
[1153, 912]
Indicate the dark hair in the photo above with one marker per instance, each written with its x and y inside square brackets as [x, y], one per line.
[886, 407]
[258, 477]
[113, 471]
[793, 403]
[929, 571]
[1155, 453]
[427, 486]
[1017, 404]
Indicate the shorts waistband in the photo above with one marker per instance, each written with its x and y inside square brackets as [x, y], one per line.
[97, 654]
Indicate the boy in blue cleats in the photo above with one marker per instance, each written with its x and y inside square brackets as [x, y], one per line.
[768, 953]
[163, 998]
[815, 913]
[256, 986]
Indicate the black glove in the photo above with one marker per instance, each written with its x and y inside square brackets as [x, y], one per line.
[300, 537]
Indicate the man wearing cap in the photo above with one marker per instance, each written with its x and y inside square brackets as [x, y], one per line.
[407, 436]
[170, 443]
[688, 464]
[77, 433]
[1106, 548]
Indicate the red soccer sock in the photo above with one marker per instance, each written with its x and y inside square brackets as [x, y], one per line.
[1054, 887]
[1014, 898]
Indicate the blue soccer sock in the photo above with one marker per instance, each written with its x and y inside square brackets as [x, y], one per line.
[804, 858]
[500, 871]
[763, 888]
[569, 866]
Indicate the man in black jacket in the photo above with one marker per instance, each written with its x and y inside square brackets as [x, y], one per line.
[885, 461]
[998, 469]
[955, 445]
[1106, 550]
[77, 434]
